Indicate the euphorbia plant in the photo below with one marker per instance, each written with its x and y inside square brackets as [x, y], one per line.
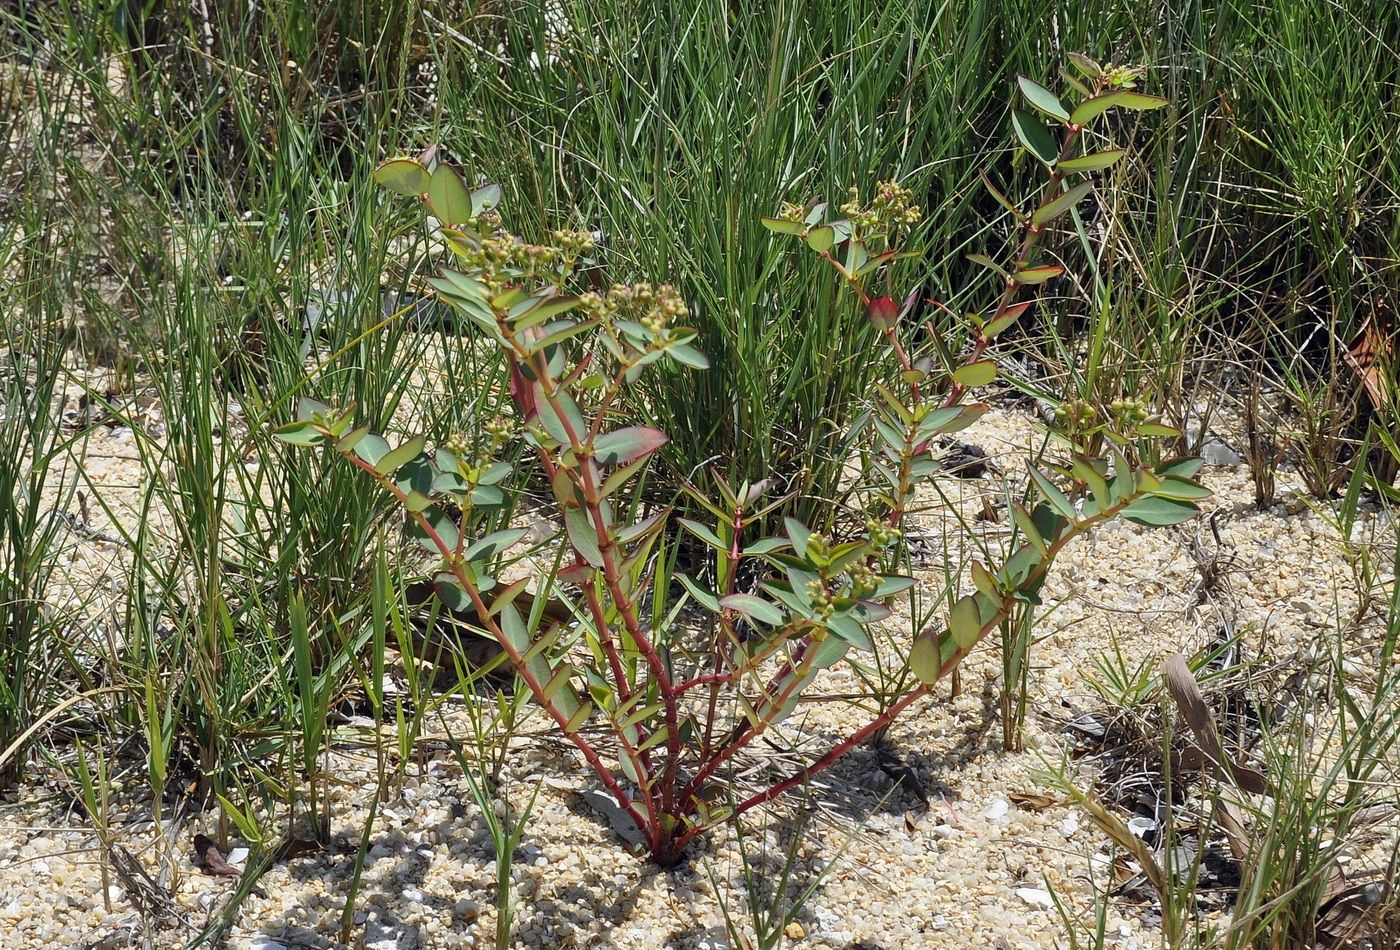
[925, 397]
[660, 709]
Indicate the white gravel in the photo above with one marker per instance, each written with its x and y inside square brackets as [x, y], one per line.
[977, 871]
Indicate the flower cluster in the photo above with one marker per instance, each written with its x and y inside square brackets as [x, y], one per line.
[787, 211]
[1075, 415]
[1129, 413]
[893, 207]
[882, 534]
[502, 259]
[655, 308]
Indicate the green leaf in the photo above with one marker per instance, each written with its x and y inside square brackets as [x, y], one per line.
[987, 262]
[441, 524]
[989, 608]
[485, 198]
[1084, 470]
[1181, 489]
[657, 737]
[1086, 66]
[299, 433]
[1157, 512]
[620, 477]
[1158, 430]
[1010, 315]
[1052, 494]
[493, 543]
[800, 535]
[351, 439]
[1075, 82]
[704, 534]
[561, 330]
[622, 446]
[783, 226]
[415, 479]
[1061, 203]
[753, 607]
[1139, 102]
[1001, 199]
[558, 681]
[965, 622]
[371, 449]
[891, 584]
[821, 239]
[579, 717]
[702, 596]
[465, 285]
[932, 648]
[1091, 109]
[951, 419]
[391, 462]
[983, 580]
[1026, 523]
[975, 374]
[879, 260]
[1042, 98]
[1048, 522]
[1038, 275]
[448, 196]
[647, 526]
[849, 629]
[308, 408]
[533, 311]
[764, 546]
[487, 495]
[450, 591]
[1124, 478]
[1094, 162]
[1034, 136]
[407, 176]
[513, 626]
[857, 257]
[583, 536]
[551, 420]
[1020, 565]
[688, 355]
[1180, 467]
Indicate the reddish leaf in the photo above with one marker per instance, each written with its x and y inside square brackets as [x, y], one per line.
[883, 313]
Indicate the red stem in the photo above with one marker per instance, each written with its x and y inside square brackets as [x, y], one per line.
[607, 547]
[517, 660]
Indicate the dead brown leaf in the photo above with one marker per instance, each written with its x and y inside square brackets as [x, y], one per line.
[1034, 800]
[208, 854]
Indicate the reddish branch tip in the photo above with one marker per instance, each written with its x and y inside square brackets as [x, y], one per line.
[883, 312]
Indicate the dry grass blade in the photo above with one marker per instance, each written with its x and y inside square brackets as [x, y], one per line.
[1187, 695]
[1117, 830]
[1192, 704]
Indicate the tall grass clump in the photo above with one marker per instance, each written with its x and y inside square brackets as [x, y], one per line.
[219, 245]
[673, 129]
[37, 478]
[35, 487]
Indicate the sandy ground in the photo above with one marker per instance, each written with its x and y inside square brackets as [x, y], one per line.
[974, 871]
